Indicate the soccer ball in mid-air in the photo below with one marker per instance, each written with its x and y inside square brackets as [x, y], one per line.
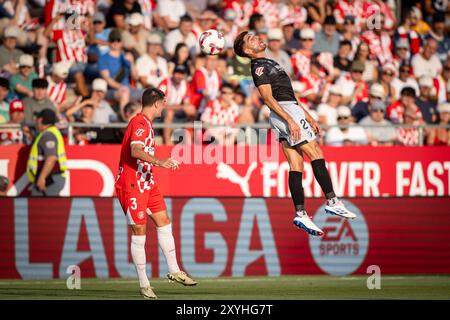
[211, 42]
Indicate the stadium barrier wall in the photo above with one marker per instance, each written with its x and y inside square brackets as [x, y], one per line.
[251, 171]
[41, 237]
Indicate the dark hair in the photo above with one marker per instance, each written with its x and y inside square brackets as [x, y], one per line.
[330, 20]
[39, 83]
[345, 43]
[150, 96]
[4, 82]
[408, 91]
[228, 86]
[239, 45]
[176, 53]
[254, 18]
[186, 18]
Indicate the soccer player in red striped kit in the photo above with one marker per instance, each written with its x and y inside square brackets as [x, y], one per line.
[139, 195]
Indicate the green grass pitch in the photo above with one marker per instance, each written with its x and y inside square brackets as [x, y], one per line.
[248, 288]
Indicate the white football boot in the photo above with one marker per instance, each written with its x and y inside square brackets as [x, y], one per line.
[181, 277]
[338, 209]
[148, 293]
[302, 221]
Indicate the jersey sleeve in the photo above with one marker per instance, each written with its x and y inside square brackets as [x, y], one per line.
[48, 145]
[139, 132]
[260, 74]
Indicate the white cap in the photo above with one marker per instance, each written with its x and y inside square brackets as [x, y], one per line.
[26, 60]
[444, 107]
[61, 69]
[389, 66]
[336, 90]
[135, 19]
[377, 90]
[100, 84]
[275, 34]
[153, 38]
[298, 86]
[426, 81]
[307, 33]
[343, 111]
[11, 32]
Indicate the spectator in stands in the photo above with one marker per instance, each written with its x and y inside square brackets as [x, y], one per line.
[404, 79]
[327, 112]
[179, 107]
[181, 57]
[99, 34]
[71, 47]
[441, 136]
[4, 106]
[81, 112]
[379, 42]
[20, 83]
[118, 12]
[38, 101]
[9, 54]
[301, 59]
[292, 43]
[221, 111]
[362, 55]
[409, 136]
[206, 83]
[57, 88]
[379, 130]
[401, 53]
[438, 33]
[407, 101]
[442, 82]
[117, 68]
[354, 88]
[170, 13]
[182, 34]
[103, 113]
[327, 40]
[348, 32]
[425, 100]
[4, 183]
[341, 60]
[361, 109]
[348, 136]
[130, 110]
[427, 63]
[417, 24]
[16, 116]
[387, 74]
[152, 67]
[275, 51]
[135, 37]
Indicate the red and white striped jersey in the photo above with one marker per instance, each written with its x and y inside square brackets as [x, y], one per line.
[56, 91]
[11, 136]
[296, 15]
[80, 8]
[175, 94]
[243, 12]
[301, 62]
[135, 174]
[71, 45]
[343, 8]
[216, 113]
[395, 112]
[408, 136]
[380, 46]
[413, 38]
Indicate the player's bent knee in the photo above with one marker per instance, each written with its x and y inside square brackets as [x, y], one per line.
[160, 218]
[138, 229]
[312, 150]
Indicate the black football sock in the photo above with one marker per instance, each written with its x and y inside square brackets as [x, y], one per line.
[323, 178]
[296, 188]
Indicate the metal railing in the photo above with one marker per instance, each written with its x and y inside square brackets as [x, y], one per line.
[199, 125]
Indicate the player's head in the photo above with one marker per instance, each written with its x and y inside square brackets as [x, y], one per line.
[154, 98]
[248, 45]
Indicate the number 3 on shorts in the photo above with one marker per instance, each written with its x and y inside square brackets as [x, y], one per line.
[133, 203]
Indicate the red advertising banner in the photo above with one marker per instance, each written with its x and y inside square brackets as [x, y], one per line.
[225, 237]
[252, 171]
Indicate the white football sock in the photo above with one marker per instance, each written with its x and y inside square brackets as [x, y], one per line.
[138, 255]
[167, 244]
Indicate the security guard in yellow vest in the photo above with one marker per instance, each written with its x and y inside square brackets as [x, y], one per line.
[46, 167]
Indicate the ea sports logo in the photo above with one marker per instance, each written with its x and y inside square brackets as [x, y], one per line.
[343, 247]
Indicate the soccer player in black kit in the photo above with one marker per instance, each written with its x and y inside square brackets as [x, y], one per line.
[296, 129]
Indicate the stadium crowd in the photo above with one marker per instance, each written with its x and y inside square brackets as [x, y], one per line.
[351, 61]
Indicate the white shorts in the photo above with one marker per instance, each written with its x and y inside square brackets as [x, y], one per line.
[280, 126]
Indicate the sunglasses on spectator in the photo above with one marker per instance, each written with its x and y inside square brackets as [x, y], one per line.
[404, 70]
[447, 68]
[357, 71]
[388, 73]
[227, 92]
[378, 110]
[116, 40]
[307, 39]
[342, 118]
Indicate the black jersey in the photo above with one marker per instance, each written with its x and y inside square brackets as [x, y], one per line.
[267, 71]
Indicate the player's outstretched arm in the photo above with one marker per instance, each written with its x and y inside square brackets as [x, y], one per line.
[266, 93]
[137, 151]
